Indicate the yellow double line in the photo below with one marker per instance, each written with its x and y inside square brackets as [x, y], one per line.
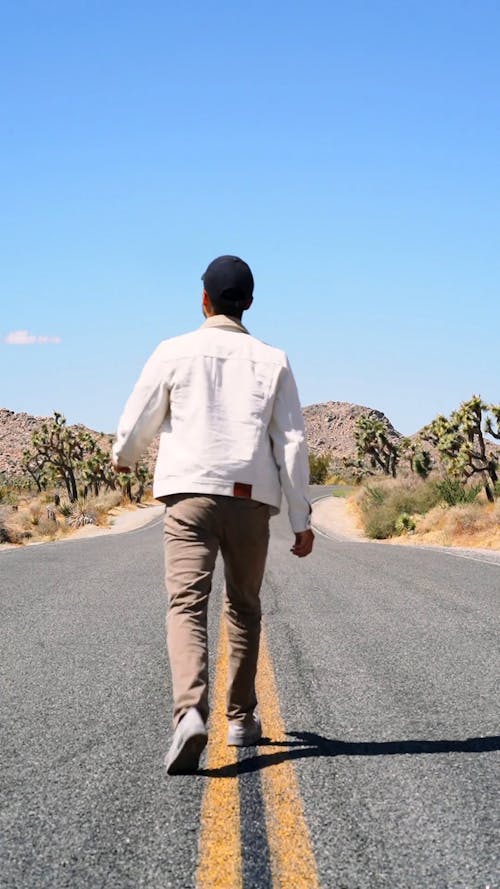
[220, 858]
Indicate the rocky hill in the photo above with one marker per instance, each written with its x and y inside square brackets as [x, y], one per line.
[330, 428]
[15, 437]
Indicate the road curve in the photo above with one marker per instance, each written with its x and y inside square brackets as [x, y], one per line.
[380, 681]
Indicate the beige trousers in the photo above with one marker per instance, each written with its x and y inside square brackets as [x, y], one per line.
[197, 526]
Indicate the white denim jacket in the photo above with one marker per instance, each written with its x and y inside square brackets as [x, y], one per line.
[229, 417]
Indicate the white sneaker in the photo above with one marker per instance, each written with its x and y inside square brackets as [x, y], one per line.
[241, 734]
[188, 743]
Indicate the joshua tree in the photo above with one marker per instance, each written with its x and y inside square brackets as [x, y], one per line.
[34, 465]
[140, 476]
[419, 459]
[73, 455]
[461, 444]
[495, 410]
[373, 441]
[143, 478]
[124, 482]
[97, 472]
[58, 451]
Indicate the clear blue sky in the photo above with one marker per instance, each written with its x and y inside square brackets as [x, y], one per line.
[350, 152]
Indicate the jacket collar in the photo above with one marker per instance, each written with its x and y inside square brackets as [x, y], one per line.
[226, 322]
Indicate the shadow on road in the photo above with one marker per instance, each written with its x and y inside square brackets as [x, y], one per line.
[308, 744]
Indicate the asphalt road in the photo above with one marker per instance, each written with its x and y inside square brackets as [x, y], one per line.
[386, 662]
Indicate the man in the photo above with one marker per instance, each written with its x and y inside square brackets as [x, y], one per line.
[232, 439]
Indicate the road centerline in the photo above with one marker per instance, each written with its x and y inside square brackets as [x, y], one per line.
[253, 829]
[219, 860]
[292, 858]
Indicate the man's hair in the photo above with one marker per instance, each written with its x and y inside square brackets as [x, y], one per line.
[230, 302]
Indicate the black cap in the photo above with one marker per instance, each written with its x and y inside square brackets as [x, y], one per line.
[228, 277]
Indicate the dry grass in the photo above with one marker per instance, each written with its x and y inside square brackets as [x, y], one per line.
[470, 525]
[412, 511]
[9, 532]
[36, 518]
[352, 508]
[337, 479]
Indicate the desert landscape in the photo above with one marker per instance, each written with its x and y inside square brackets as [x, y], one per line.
[386, 486]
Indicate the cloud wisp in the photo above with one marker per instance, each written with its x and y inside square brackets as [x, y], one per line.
[24, 338]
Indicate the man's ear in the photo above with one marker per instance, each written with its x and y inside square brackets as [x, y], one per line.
[206, 302]
[249, 303]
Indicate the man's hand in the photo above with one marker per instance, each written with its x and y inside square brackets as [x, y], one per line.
[120, 468]
[303, 545]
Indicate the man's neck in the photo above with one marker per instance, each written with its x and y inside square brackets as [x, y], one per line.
[228, 321]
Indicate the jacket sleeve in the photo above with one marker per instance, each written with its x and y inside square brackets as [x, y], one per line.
[290, 449]
[144, 412]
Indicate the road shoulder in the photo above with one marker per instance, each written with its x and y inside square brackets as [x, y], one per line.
[335, 517]
[123, 521]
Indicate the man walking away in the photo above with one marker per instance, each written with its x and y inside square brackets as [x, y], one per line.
[232, 441]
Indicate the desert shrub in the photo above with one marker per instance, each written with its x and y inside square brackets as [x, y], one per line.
[82, 514]
[108, 501]
[12, 489]
[375, 495]
[319, 466]
[473, 518]
[380, 523]
[414, 498]
[4, 529]
[336, 479]
[65, 509]
[10, 533]
[387, 509]
[46, 528]
[8, 495]
[404, 522]
[35, 511]
[453, 491]
[98, 507]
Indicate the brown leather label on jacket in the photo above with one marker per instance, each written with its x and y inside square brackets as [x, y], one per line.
[242, 490]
